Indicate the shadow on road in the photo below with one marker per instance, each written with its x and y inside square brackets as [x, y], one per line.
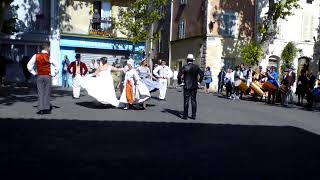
[61, 149]
[24, 92]
[94, 105]
[173, 112]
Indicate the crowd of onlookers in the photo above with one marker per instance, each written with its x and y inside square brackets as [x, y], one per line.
[281, 87]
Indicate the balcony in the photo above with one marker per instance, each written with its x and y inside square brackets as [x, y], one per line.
[102, 27]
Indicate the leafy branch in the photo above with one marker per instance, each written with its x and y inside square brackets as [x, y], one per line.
[135, 20]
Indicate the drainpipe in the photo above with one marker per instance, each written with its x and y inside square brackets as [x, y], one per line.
[170, 39]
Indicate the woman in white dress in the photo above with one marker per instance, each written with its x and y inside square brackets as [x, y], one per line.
[100, 84]
[147, 78]
[134, 90]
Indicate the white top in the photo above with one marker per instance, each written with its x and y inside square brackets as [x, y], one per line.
[54, 67]
[229, 76]
[163, 72]
[175, 75]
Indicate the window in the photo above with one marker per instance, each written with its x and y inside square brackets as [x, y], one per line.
[160, 45]
[228, 63]
[183, 2]
[162, 10]
[228, 25]
[309, 1]
[182, 29]
[307, 27]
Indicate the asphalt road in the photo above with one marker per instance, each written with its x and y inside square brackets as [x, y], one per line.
[83, 140]
[17, 102]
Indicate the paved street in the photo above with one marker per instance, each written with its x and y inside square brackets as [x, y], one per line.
[21, 103]
[83, 140]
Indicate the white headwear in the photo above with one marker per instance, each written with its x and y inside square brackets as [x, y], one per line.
[190, 56]
[130, 62]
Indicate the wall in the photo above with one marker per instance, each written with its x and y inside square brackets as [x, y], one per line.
[300, 28]
[219, 47]
[193, 14]
[181, 48]
[75, 17]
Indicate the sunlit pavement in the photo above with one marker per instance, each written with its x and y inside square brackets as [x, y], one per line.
[18, 102]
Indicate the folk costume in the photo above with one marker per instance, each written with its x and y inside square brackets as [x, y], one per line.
[163, 73]
[46, 68]
[134, 90]
[78, 69]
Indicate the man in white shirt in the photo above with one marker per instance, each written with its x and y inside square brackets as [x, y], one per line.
[46, 68]
[163, 73]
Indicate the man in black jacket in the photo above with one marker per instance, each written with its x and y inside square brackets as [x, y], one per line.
[190, 73]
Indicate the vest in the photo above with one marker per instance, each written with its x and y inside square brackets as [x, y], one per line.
[43, 64]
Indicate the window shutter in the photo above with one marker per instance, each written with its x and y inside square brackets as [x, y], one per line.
[307, 26]
[233, 25]
[225, 25]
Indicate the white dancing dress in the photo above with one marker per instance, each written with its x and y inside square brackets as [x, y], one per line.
[101, 87]
[140, 90]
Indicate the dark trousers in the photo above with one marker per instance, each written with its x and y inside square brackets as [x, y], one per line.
[220, 87]
[44, 92]
[187, 93]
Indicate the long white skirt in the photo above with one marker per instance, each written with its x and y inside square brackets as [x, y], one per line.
[141, 93]
[101, 88]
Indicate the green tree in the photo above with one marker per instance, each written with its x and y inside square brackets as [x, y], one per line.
[135, 20]
[252, 53]
[288, 54]
[4, 6]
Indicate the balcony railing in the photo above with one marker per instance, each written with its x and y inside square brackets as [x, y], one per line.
[102, 27]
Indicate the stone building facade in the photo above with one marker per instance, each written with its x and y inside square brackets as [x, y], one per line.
[212, 30]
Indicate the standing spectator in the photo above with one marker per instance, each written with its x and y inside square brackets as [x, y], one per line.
[292, 80]
[65, 64]
[175, 77]
[207, 79]
[284, 89]
[249, 75]
[238, 75]
[228, 82]
[242, 68]
[46, 68]
[98, 64]
[24, 63]
[3, 69]
[92, 66]
[96, 20]
[77, 69]
[221, 77]
[311, 83]
[301, 87]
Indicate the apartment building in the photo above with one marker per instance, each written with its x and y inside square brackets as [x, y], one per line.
[212, 30]
[34, 20]
[302, 28]
[86, 27]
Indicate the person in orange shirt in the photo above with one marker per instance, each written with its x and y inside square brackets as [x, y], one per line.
[44, 68]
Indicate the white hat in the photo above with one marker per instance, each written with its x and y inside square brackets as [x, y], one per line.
[190, 56]
[130, 62]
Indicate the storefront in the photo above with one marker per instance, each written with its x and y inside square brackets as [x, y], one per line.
[93, 48]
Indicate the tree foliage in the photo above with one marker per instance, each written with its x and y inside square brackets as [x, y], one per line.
[4, 5]
[288, 54]
[135, 20]
[280, 9]
[252, 53]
